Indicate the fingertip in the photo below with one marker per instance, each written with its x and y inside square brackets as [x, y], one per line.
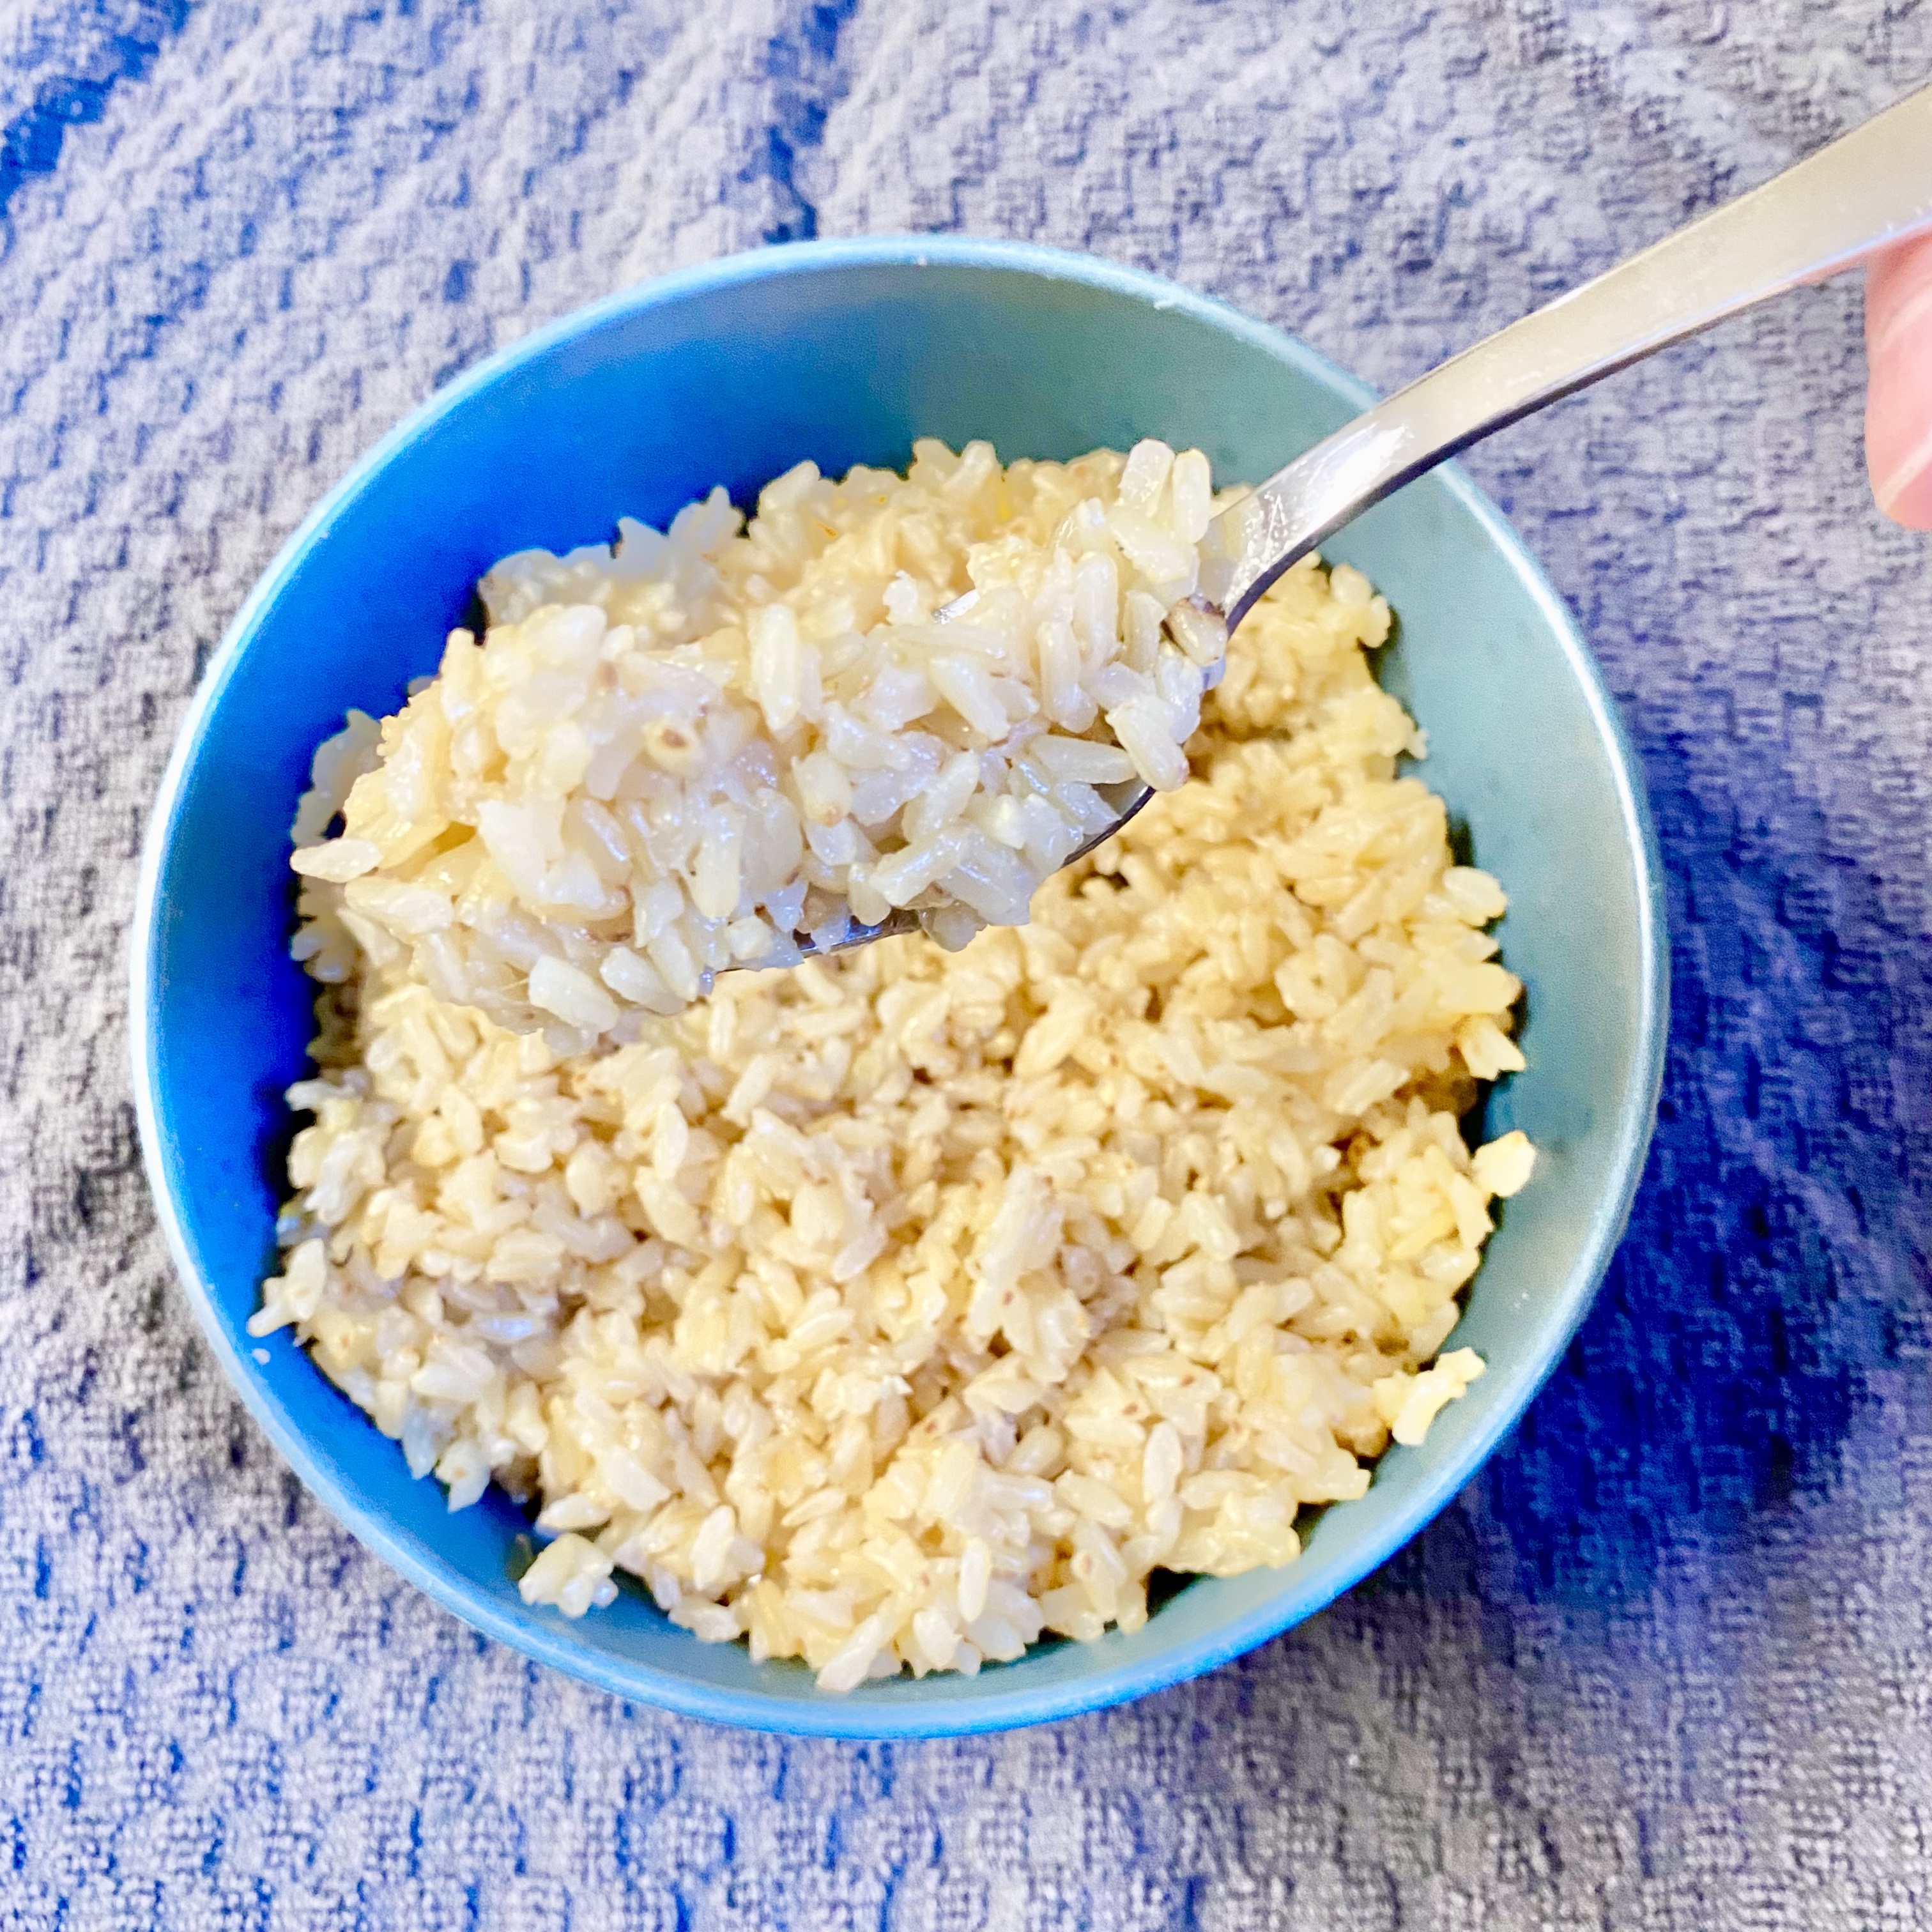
[1910, 507]
[1900, 471]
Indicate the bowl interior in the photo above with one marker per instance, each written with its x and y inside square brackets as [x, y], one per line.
[844, 353]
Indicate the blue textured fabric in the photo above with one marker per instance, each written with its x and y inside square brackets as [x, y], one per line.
[1665, 1664]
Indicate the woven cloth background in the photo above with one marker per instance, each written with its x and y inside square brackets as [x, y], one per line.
[1666, 1664]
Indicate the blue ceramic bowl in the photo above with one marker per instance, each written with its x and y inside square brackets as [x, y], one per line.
[844, 351]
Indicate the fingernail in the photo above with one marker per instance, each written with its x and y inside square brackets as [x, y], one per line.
[1913, 312]
[1898, 494]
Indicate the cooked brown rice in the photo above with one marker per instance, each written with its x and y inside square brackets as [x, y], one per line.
[891, 1310]
[890, 693]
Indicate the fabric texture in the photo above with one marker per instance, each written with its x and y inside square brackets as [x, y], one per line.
[1664, 1665]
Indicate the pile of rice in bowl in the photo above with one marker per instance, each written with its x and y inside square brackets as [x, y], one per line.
[892, 1309]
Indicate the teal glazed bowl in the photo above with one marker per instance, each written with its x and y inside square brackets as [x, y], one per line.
[844, 351]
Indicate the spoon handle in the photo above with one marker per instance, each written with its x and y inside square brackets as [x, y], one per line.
[1867, 189]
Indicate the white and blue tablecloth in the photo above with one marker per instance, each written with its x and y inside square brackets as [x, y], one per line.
[1666, 1664]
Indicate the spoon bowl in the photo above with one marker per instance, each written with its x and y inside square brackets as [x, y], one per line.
[1869, 190]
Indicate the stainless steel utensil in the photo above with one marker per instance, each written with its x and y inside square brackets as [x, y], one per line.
[1865, 191]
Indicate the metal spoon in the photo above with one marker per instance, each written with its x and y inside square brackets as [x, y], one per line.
[1868, 189]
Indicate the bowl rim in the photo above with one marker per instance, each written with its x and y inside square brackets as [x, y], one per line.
[1107, 1684]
